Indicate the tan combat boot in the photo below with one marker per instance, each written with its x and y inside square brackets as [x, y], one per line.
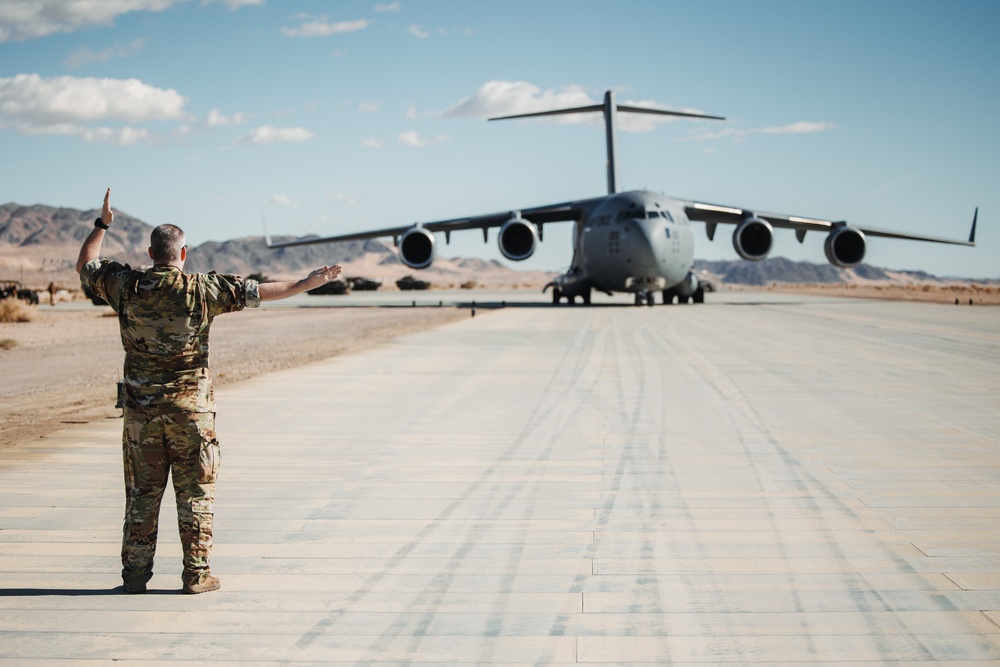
[203, 582]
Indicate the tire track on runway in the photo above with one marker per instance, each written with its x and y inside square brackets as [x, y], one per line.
[740, 410]
[629, 412]
[589, 341]
[576, 361]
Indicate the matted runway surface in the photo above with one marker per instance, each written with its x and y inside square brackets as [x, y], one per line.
[760, 480]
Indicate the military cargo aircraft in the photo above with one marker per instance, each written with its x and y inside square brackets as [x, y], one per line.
[640, 241]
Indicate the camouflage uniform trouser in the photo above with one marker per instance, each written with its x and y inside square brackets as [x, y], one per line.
[183, 444]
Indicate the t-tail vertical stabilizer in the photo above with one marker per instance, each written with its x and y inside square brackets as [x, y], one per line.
[610, 109]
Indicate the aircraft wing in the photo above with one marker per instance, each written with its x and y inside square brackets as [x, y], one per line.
[563, 212]
[713, 214]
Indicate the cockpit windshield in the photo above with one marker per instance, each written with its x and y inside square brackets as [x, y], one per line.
[640, 214]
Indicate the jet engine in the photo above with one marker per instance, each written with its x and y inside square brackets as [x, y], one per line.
[845, 247]
[518, 239]
[753, 238]
[416, 248]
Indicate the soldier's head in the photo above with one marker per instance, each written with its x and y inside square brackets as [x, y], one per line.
[168, 246]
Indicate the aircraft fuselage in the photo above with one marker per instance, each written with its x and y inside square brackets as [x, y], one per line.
[631, 242]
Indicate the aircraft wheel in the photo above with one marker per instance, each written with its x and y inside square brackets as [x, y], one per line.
[638, 298]
[668, 297]
[586, 297]
[556, 296]
[699, 295]
[649, 299]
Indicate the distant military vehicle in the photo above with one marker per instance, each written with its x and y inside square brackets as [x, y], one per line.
[333, 287]
[12, 289]
[362, 284]
[411, 283]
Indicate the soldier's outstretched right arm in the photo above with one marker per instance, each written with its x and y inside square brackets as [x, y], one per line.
[283, 290]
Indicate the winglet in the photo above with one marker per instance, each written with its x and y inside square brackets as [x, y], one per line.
[972, 234]
[267, 237]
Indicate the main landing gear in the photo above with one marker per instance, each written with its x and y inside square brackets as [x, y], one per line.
[558, 295]
[697, 297]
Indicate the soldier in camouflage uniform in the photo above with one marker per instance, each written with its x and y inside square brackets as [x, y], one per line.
[164, 315]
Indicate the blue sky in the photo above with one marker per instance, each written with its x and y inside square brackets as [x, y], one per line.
[340, 116]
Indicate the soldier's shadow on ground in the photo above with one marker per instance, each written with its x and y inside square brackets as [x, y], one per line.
[76, 592]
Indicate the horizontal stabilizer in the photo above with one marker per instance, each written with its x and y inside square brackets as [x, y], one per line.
[618, 107]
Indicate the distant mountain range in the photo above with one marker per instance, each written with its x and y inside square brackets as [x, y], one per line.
[40, 243]
[781, 270]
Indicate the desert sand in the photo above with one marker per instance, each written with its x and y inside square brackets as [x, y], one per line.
[938, 292]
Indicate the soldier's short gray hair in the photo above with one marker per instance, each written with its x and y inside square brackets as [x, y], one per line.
[166, 242]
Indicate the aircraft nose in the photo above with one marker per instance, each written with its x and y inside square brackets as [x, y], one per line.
[643, 245]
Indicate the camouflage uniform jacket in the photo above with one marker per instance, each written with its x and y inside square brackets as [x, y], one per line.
[164, 316]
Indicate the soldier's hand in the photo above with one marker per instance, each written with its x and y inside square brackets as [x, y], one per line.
[107, 217]
[325, 274]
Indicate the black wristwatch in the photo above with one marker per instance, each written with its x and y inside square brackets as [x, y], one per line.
[100, 223]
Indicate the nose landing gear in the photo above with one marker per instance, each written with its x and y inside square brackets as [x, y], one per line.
[644, 297]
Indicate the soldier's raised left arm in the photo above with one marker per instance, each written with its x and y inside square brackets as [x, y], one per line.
[91, 248]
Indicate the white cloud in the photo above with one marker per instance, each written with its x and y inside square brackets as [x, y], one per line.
[342, 198]
[418, 32]
[234, 4]
[70, 106]
[215, 118]
[84, 56]
[413, 139]
[509, 98]
[268, 134]
[32, 99]
[371, 143]
[801, 127]
[29, 19]
[281, 200]
[368, 107]
[322, 28]
[118, 136]
[388, 7]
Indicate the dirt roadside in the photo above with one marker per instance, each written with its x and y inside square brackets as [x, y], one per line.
[64, 365]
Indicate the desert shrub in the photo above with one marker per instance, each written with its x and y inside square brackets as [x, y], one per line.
[7, 343]
[15, 310]
[469, 284]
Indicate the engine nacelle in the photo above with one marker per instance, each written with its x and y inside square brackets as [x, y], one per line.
[416, 248]
[518, 239]
[845, 247]
[688, 286]
[753, 239]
